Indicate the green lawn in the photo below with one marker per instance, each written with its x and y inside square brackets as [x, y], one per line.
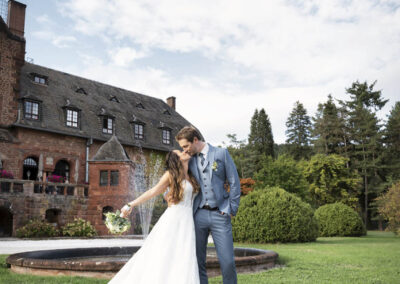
[371, 259]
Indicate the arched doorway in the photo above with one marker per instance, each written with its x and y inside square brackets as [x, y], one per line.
[52, 216]
[62, 169]
[6, 222]
[30, 169]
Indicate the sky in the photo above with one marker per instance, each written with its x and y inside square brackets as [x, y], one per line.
[222, 59]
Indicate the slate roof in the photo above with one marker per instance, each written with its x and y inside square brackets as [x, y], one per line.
[95, 100]
[112, 150]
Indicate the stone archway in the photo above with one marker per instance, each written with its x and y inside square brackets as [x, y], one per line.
[62, 169]
[30, 169]
[6, 222]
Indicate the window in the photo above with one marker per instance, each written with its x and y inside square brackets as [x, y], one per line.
[167, 112]
[31, 110]
[39, 79]
[81, 91]
[114, 99]
[103, 178]
[139, 105]
[107, 125]
[114, 178]
[139, 131]
[166, 136]
[72, 118]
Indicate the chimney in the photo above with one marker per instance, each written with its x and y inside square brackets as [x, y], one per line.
[16, 17]
[171, 101]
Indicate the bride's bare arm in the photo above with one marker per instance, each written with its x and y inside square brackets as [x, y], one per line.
[160, 187]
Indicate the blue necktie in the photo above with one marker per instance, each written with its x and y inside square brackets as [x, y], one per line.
[202, 158]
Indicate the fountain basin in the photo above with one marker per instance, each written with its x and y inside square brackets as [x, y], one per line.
[105, 262]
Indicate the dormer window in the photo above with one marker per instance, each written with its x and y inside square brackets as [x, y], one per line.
[138, 131]
[167, 112]
[114, 99]
[108, 125]
[166, 136]
[39, 79]
[31, 110]
[72, 118]
[81, 91]
[139, 105]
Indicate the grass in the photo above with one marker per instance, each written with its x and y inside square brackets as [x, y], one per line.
[371, 259]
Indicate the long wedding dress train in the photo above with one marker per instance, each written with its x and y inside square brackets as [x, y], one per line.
[168, 255]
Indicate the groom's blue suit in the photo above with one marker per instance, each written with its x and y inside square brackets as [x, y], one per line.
[212, 175]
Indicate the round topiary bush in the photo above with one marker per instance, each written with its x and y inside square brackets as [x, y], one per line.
[338, 219]
[274, 215]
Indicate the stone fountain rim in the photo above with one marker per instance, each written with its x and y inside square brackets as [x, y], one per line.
[25, 259]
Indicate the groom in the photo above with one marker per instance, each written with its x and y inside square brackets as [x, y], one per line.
[214, 206]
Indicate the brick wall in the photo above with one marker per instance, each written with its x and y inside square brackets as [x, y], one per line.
[12, 54]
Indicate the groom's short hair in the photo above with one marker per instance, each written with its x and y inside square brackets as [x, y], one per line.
[188, 133]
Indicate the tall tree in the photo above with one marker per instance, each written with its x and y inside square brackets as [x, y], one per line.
[299, 132]
[260, 137]
[329, 131]
[365, 135]
[392, 142]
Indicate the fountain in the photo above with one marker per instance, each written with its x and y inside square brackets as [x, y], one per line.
[105, 262]
[147, 174]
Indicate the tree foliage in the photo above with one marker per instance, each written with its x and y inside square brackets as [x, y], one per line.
[389, 207]
[329, 131]
[299, 131]
[331, 181]
[260, 137]
[392, 142]
[284, 172]
[365, 136]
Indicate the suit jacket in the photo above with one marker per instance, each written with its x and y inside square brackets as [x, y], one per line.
[221, 167]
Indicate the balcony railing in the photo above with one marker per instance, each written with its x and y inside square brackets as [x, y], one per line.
[29, 187]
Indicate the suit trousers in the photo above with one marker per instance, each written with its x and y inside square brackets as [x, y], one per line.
[220, 227]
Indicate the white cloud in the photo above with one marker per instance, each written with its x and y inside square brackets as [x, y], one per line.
[123, 56]
[301, 50]
[63, 41]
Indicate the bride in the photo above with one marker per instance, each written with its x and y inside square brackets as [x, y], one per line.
[169, 253]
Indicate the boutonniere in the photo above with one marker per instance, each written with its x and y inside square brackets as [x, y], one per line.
[215, 166]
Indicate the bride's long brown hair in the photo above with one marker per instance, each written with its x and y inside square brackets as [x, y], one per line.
[176, 176]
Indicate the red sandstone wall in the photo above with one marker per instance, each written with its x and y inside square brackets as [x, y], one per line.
[12, 54]
[114, 196]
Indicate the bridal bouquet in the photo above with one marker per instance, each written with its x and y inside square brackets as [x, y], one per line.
[115, 223]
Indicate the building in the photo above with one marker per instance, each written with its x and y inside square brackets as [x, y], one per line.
[57, 124]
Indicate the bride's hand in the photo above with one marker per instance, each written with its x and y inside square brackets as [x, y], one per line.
[125, 211]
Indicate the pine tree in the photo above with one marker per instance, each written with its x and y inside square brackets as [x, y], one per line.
[329, 129]
[392, 142]
[299, 132]
[365, 135]
[260, 137]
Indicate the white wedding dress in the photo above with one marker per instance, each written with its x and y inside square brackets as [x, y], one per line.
[168, 255]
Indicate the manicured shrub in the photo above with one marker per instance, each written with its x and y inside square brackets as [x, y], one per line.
[389, 208]
[338, 219]
[37, 229]
[274, 215]
[79, 228]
